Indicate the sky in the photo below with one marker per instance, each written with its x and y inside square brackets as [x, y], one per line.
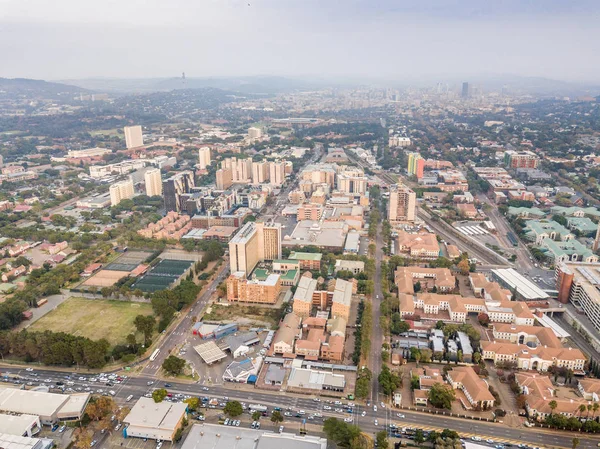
[377, 39]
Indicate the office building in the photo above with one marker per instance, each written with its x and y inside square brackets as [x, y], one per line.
[204, 157]
[153, 182]
[224, 178]
[88, 152]
[465, 90]
[254, 133]
[402, 204]
[276, 173]
[121, 191]
[133, 136]
[174, 188]
[269, 240]
[260, 172]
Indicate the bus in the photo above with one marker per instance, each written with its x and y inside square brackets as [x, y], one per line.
[257, 408]
[154, 355]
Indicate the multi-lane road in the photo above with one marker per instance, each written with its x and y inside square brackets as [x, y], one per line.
[138, 386]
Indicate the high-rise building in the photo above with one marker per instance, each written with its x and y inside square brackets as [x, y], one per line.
[269, 240]
[260, 172]
[416, 165]
[253, 243]
[1, 161]
[241, 169]
[402, 204]
[244, 251]
[465, 90]
[254, 133]
[204, 157]
[352, 182]
[121, 191]
[276, 173]
[153, 182]
[173, 189]
[224, 178]
[133, 136]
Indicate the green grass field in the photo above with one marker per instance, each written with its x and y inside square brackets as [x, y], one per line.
[94, 318]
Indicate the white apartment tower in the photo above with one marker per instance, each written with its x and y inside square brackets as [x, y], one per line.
[133, 136]
[153, 182]
[121, 191]
[402, 204]
[204, 157]
[260, 172]
[277, 173]
[254, 243]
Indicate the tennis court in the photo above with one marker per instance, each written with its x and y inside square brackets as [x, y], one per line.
[128, 261]
[162, 275]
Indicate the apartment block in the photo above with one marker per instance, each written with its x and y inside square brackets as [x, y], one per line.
[401, 204]
[121, 191]
[153, 182]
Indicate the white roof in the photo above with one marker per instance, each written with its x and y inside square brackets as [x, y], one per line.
[546, 321]
[524, 286]
[343, 292]
[150, 418]
[305, 289]
[75, 406]
[17, 424]
[19, 442]
[31, 402]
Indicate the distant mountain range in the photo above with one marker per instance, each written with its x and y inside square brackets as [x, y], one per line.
[37, 87]
[255, 85]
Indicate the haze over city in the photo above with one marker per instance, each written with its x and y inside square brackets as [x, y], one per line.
[350, 39]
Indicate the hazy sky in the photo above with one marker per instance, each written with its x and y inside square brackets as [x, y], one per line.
[394, 39]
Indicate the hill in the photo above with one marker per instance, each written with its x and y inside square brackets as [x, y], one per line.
[30, 87]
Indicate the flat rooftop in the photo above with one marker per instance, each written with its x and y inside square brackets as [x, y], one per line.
[219, 437]
[524, 286]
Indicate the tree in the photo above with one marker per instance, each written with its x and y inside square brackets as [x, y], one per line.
[582, 408]
[483, 319]
[145, 325]
[159, 395]
[381, 439]
[256, 415]
[552, 404]
[83, 438]
[233, 408]
[419, 437]
[340, 432]
[192, 403]
[276, 417]
[575, 443]
[173, 365]
[464, 267]
[441, 396]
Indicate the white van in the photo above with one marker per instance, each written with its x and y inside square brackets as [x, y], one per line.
[129, 398]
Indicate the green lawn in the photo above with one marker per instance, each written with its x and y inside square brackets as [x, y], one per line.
[94, 318]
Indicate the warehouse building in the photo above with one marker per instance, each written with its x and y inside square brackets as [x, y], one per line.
[157, 421]
[50, 407]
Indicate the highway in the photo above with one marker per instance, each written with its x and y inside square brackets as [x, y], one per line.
[377, 335]
[138, 386]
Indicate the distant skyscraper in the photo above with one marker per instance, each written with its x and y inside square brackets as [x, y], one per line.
[465, 90]
[121, 191]
[224, 178]
[173, 189]
[1, 161]
[133, 136]
[260, 172]
[153, 182]
[204, 157]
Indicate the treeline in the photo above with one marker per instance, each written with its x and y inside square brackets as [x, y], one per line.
[54, 348]
[166, 302]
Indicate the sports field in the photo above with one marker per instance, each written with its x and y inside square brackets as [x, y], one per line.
[93, 318]
[162, 275]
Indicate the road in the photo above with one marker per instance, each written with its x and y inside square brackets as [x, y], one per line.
[177, 336]
[138, 386]
[377, 334]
